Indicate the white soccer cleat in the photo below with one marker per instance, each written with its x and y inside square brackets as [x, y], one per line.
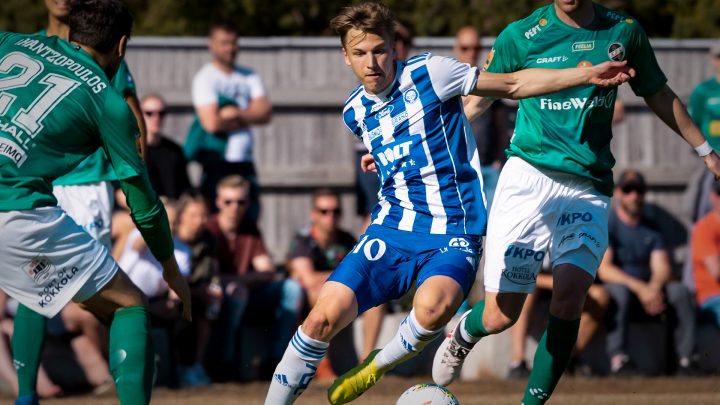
[450, 356]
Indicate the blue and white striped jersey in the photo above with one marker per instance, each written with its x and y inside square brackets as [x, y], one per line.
[423, 148]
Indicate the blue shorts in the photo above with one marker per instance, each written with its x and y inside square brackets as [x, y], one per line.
[385, 261]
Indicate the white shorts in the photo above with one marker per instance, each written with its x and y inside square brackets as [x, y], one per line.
[48, 259]
[535, 213]
[90, 205]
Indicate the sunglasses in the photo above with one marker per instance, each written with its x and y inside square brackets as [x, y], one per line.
[632, 187]
[469, 48]
[327, 211]
[235, 202]
[158, 113]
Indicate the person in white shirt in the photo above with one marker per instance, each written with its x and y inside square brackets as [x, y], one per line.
[228, 99]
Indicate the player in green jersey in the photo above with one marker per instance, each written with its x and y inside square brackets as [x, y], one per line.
[56, 108]
[553, 194]
[87, 196]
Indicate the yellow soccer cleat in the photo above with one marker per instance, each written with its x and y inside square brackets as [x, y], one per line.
[355, 382]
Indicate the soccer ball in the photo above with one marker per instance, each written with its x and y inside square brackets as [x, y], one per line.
[427, 394]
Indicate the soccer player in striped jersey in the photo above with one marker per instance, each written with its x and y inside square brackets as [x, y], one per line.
[428, 223]
[554, 191]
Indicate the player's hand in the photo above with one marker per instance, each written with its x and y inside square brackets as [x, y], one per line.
[367, 163]
[611, 74]
[178, 284]
[712, 161]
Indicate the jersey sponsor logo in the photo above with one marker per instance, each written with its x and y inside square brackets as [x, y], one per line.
[518, 252]
[713, 100]
[521, 275]
[615, 16]
[578, 103]
[458, 243]
[552, 59]
[629, 20]
[583, 46]
[533, 31]
[39, 269]
[616, 52]
[489, 59]
[12, 151]
[396, 120]
[393, 153]
[573, 217]
[411, 96]
[584, 63]
[48, 294]
[384, 112]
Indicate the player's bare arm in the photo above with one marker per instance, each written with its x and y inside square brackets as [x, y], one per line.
[534, 82]
[134, 104]
[475, 106]
[668, 107]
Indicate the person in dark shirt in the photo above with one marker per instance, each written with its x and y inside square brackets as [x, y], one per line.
[315, 251]
[254, 290]
[636, 268]
[164, 158]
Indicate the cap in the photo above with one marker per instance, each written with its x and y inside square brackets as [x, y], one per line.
[631, 179]
[715, 49]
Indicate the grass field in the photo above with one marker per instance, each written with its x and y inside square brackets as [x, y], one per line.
[575, 391]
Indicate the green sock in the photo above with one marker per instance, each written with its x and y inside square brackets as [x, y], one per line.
[132, 359]
[473, 323]
[551, 359]
[28, 341]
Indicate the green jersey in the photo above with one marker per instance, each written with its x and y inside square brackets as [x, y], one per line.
[97, 167]
[56, 108]
[570, 131]
[704, 109]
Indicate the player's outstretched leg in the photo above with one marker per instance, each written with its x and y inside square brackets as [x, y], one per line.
[570, 285]
[336, 307]
[493, 315]
[436, 300]
[132, 359]
[296, 369]
[27, 345]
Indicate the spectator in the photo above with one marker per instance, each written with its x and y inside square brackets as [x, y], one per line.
[404, 37]
[705, 112]
[592, 317]
[228, 99]
[491, 130]
[705, 251]
[164, 158]
[191, 228]
[636, 268]
[245, 265]
[314, 253]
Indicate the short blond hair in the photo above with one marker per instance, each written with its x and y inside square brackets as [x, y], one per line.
[232, 181]
[368, 17]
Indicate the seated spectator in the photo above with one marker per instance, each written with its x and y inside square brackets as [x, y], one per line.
[191, 228]
[637, 270]
[314, 253]
[705, 251]
[245, 264]
[165, 160]
[87, 339]
[593, 315]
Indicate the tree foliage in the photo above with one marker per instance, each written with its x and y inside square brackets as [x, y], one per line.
[660, 18]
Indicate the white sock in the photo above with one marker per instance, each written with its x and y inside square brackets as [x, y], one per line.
[410, 339]
[467, 336]
[296, 369]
